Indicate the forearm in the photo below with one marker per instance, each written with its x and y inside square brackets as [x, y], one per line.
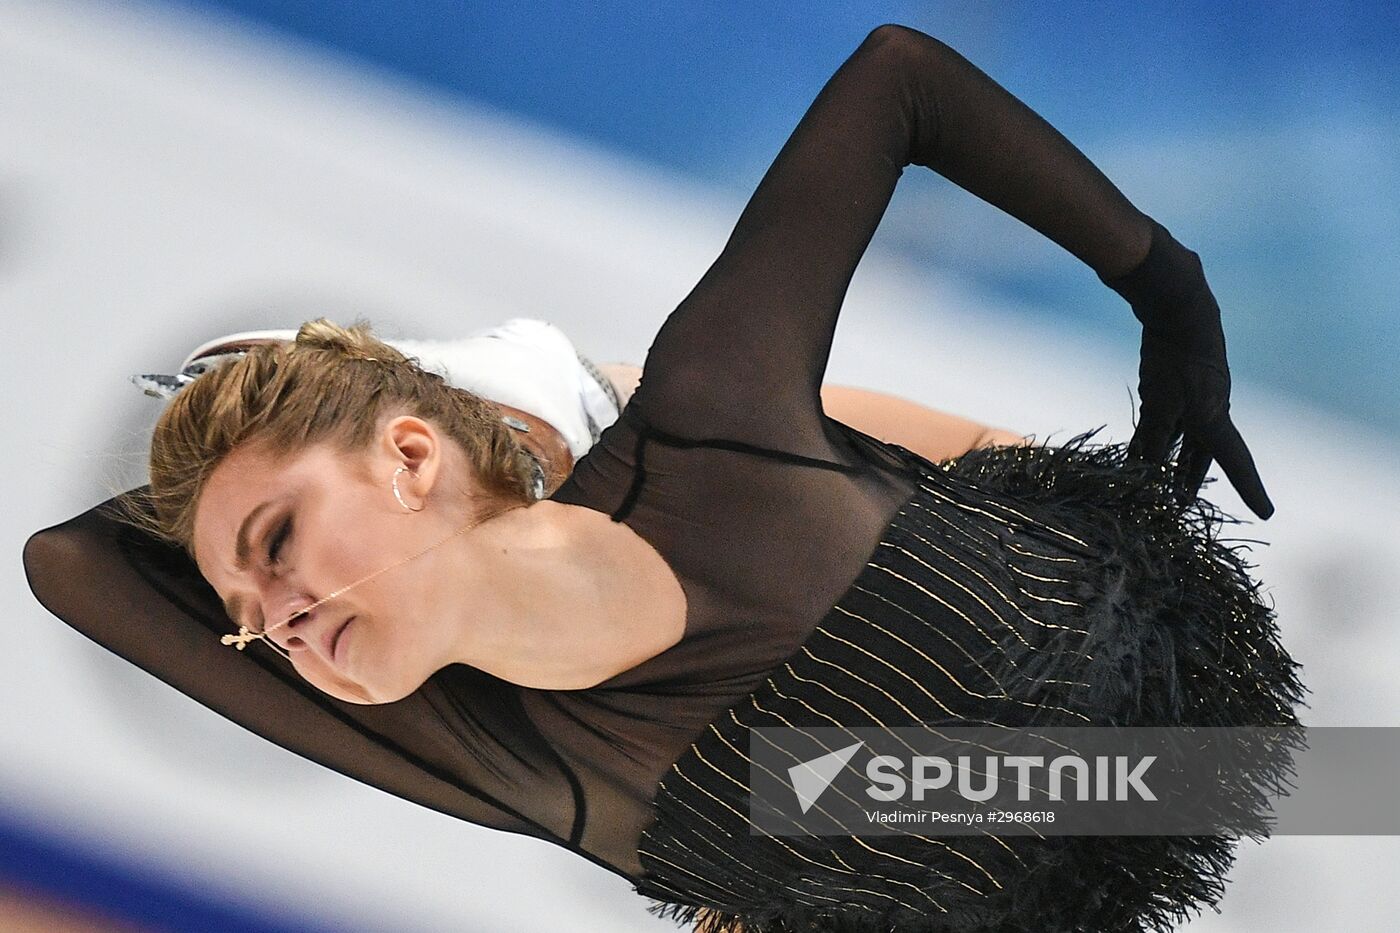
[978, 135]
[928, 432]
[935, 435]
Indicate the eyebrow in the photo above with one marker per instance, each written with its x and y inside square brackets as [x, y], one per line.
[241, 552]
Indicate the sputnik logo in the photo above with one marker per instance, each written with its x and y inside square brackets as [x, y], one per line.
[811, 778]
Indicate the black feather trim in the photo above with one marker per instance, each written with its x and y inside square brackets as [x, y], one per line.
[1178, 635]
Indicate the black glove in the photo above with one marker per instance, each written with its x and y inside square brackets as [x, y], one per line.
[1184, 380]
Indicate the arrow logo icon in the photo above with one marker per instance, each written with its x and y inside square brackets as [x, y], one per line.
[811, 778]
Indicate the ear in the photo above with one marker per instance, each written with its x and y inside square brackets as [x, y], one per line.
[409, 441]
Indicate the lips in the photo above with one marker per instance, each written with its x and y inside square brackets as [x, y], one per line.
[335, 639]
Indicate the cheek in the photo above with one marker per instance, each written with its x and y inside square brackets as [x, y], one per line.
[337, 554]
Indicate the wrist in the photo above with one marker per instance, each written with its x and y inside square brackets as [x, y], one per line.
[1167, 290]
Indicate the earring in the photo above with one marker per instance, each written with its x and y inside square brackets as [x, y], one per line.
[398, 495]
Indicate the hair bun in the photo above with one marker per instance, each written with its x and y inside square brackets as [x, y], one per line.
[355, 342]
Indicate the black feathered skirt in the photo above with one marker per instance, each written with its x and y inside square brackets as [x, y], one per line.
[1053, 586]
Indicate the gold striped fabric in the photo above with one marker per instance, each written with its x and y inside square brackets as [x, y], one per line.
[983, 604]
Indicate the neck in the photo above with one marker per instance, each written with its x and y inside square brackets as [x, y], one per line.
[515, 603]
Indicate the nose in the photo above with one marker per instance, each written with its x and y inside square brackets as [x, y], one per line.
[277, 609]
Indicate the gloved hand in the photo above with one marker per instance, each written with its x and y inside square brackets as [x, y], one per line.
[1184, 380]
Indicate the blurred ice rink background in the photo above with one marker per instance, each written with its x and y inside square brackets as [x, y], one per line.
[170, 172]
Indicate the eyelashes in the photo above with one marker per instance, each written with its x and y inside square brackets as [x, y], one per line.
[278, 540]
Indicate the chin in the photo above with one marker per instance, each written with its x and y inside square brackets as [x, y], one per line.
[389, 696]
[358, 694]
[385, 693]
[345, 694]
[394, 687]
[358, 701]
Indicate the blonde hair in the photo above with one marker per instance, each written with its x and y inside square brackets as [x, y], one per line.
[330, 385]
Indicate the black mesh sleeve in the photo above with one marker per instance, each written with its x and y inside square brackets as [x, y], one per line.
[744, 354]
[460, 745]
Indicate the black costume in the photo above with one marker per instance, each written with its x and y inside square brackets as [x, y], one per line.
[830, 577]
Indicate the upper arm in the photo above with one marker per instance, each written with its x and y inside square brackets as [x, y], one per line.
[759, 323]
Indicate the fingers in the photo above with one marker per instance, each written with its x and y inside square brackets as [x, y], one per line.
[1156, 433]
[1234, 458]
[1195, 463]
[1219, 442]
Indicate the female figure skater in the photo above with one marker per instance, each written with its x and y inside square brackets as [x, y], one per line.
[586, 668]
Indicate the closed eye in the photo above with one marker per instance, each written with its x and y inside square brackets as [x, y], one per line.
[278, 539]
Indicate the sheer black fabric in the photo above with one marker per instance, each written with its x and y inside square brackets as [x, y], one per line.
[766, 509]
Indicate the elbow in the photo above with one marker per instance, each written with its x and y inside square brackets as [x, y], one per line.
[889, 32]
[52, 559]
[896, 40]
[888, 43]
[916, 69]
[44, 561]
